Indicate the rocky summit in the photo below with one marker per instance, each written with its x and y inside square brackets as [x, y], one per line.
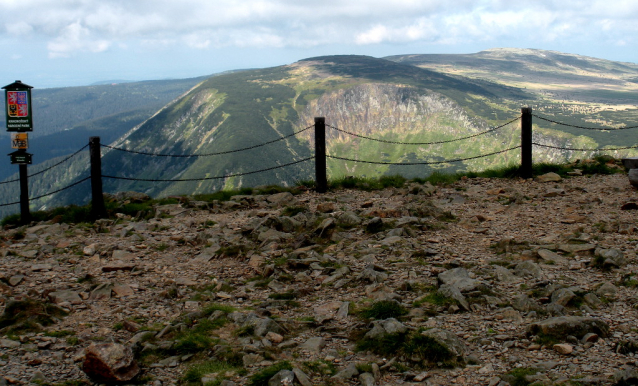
[480, 282]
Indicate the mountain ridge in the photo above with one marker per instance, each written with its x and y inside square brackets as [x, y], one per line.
[247, 108]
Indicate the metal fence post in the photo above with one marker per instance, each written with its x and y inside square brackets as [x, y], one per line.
[98, 209]
[526, 143]
[321, 178]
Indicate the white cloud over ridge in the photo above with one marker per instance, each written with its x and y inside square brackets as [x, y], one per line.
[97, 25]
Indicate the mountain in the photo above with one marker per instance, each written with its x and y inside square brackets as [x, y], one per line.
[65, 117]
[407, 99]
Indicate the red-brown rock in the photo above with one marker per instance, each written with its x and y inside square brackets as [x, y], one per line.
[110, 362]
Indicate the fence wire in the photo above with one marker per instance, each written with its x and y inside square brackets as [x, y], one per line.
[210, 178]
[208, 154]
[424, 162]
[50, 167]
[424, 143]
[50, 193]
[594, 149]
[584, 127]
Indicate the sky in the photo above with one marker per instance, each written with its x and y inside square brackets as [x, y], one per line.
[61, 43]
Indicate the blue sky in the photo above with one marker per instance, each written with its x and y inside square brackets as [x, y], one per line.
[57, 43]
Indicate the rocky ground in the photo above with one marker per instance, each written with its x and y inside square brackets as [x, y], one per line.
[484, 282]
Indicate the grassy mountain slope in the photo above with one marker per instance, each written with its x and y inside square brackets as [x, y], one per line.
[393, 100]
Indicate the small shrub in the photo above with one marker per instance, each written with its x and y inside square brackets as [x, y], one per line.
[29, 315]
[516, 377]
[195, 373]
[384, 309]
[290, 295]
[262, 377]
[290, 211]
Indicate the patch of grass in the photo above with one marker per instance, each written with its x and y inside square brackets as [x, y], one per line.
[321, 367]
[290, 295]
[59, 334]
[436, 299]
[290, 211]
[516, 377]
[194, 373]
[262, 377]
[191, 343]
[210, 308]
[29, 316]
[413, 345]
[546, 340]
[384, 309]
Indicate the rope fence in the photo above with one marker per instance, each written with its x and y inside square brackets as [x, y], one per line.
[320, 157]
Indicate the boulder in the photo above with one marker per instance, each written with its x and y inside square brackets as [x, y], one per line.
[563, 326]
[459, 278]
[448, 340]
[110, 363]
[383, 327]
[284, 377]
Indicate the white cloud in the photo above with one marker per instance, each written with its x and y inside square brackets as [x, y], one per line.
[19, 28]
[73, 38]
[70, 26]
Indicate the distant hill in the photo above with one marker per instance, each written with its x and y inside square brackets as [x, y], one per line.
[65, 117]
[405, 99]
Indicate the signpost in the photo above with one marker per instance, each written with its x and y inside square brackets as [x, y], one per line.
[19, 116]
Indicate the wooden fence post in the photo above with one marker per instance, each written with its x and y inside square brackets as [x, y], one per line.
[526, 143]
[321, 178]
[25, 214]
[98, 209]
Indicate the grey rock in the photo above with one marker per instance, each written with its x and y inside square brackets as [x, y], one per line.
[607, 290]
[69, 296]
[448, 340]
[633, 177]
[524, 303]
[626, 376]
[313, 345]
[301, 377]
[555, 309]
[366, 379]
[459, 278]
[528, 269]
[450, 291]
[505, 275]
[348, 372]
[592, 300]
[383, 327]
[548, 255]
[284, 377]
[8, 343]
[342, 313]
[281, 199]
[561, 327]
[563, 296]
[612, 258]
[549, 177]
[350, 219]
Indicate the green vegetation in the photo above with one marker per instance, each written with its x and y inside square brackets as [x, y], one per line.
[262, 377]
[600, 164]
[517, 376]
[219, 369]
[384, 309]
[419, 348]
[28, 315]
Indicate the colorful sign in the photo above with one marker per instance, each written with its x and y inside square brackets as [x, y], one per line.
[20, 140]
[18, 107]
